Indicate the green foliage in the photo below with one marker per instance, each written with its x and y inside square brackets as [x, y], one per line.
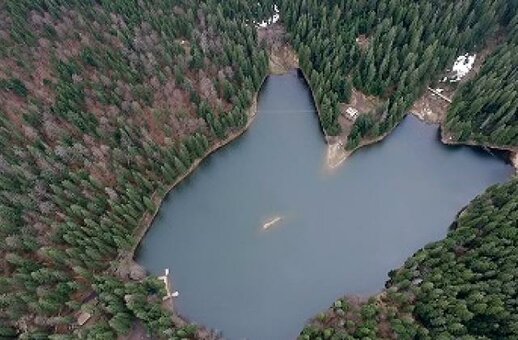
[15, 85]
[109, 103]
[114, 101]
[485, 110]
[125, 302]
[405, 45]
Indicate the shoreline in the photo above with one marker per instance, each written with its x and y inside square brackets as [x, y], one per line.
[127, 258]
[337, 154]
[342, 154]
[157, 199]
[147, 220]
[317, 108]
[513, 151]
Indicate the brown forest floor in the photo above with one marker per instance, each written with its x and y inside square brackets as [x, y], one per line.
[430, 107]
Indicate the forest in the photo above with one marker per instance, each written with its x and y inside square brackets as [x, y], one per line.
[466, 285]
[105, 104]
[406, 46]
[485, 110]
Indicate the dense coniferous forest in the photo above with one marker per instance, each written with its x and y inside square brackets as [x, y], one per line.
[406, 45]
[486, 109]
[103, 105]
[466, 285]
[106, 104]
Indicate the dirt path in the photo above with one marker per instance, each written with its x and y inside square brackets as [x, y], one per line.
[283, 57]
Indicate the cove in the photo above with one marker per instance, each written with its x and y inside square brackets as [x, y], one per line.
[340, 233]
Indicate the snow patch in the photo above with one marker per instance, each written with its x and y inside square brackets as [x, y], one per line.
[272, 20]
[462, 66]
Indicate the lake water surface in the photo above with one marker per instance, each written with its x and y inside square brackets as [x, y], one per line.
[340, 232]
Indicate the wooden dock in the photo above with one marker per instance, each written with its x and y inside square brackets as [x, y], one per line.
[170, 292]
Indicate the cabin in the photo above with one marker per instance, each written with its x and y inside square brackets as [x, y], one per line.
[83, 317]
[351, 113]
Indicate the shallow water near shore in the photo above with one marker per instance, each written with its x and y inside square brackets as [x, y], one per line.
[339, 232]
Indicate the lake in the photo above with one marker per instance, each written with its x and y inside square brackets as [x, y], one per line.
[340, 232]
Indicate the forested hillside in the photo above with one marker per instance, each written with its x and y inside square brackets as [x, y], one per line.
[464, 287]
[486, 109]
[102, 106]
[105, 104]
[389, 49]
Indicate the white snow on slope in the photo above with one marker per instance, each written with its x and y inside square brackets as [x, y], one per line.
[462, 66]
[272, 20]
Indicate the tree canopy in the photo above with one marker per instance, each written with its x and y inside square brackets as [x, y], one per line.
[485, 110]
[105, 104]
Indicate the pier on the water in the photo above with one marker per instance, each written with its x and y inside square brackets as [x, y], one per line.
[168, 286]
